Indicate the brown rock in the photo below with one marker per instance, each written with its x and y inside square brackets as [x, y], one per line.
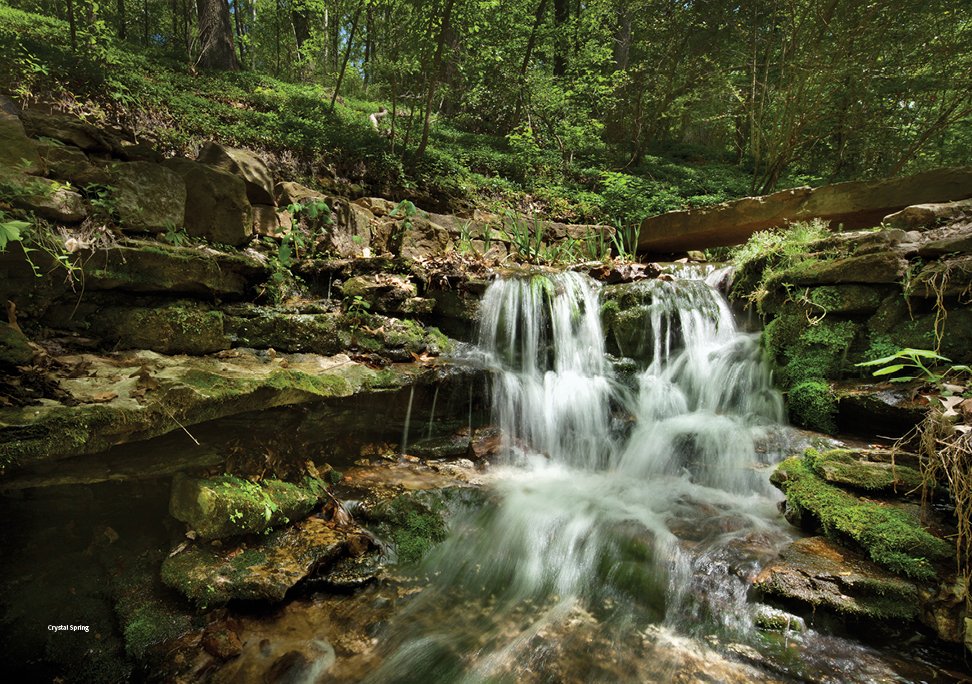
[289, 192]
[70, 164]
[48, 199]
[921, 216]
[222, 642]
[265, 219]
[18, 153]
[857, 204]
[217, 207]
[147, 197]
[68, 130]
[246, 165]
[379, 206]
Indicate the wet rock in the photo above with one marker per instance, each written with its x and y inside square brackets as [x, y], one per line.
[15, 347]
[46, 198]
[246, 165]
[354, 572]
[147, 197]
[775, 620]
[878, 408]
[943, 609]
[144, 266]
[216, 207]
[923, 216]
[265, 571]
[447, 447]
[68, 130]
[818, 574]
[486, 443]
[413, 521]
[221, 641]
[227, 506]
[891, 537]
[70, 164]
[18, 153]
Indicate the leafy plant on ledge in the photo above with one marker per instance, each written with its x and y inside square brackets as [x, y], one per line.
[918, 364]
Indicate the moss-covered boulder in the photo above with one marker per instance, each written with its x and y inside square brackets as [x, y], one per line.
[67, 163]
[68, 130]
[216, 206]
[48, 199]
[888, 535]
[413, 521]
[816, 573]
[879, 267]
[849, 468]
[228, 506]
[264, 569]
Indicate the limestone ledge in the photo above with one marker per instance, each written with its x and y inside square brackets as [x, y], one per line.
[137, 395]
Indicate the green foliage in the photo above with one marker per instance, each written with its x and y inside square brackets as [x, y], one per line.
[414, 527]
[10, 231]
[919, 364]
[889, 536]
[812, 405]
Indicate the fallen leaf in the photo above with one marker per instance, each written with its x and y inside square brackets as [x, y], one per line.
[949, 403]
[103, 397]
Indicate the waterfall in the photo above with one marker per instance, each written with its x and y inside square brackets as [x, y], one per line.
[622, 497]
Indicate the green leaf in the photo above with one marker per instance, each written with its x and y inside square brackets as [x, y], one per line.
[903, 378]
[888, 370]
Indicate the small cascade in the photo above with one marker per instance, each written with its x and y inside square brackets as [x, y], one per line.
[638, 503]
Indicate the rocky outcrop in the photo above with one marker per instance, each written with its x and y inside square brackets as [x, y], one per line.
[147, 197]
[216, 206]
[856, 204]
[18, 152]
[246, 165]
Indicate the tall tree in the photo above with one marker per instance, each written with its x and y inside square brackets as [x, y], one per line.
[216, 50]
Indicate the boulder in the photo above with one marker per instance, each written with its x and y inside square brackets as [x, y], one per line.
[289, 192]
[246, 165]
[46, 198]
[147, 197]
[17, 151]
[854, 469]
[956, 238]
[384, 292]
[68, 130]
[419, 238]
[350, 231]
[922, 216]
[265, 571]
[856, 204]
[379, 206]
[216, 207]
[227, 506]
[70, 164]
[876, 268]
[265, 219]
[816, 573]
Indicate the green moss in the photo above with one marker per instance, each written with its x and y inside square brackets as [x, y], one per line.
[813, 405]
[413, 525]
[152, 624]
[889, 536]
[845, 467]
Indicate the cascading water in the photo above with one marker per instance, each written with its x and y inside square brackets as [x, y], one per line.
[638, 503]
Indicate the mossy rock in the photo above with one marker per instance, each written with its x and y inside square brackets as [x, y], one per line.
[15, 349]
[876, 268]
[413, 521]
[182, 327]
[265, 327]
[847, 299]
[818, 574]
[889, 536]
[813, 405]
[264, 569]
[848, 468]
[228, 506]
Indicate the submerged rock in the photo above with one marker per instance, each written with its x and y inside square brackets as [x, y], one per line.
[264, 570]
[228, 506]
[816, 573]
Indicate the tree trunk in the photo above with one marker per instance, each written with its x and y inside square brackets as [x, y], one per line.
[73, 24]
[121, 19]
[435, 74]
[347, 55]
[561, 17]
[301, 19]
[216, 49]
[238, 21]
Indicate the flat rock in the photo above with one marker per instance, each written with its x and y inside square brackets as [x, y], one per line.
[922, 216]
[151, 266]
[856, 204]
[139, 395]
[68, 130]
[817, 573]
